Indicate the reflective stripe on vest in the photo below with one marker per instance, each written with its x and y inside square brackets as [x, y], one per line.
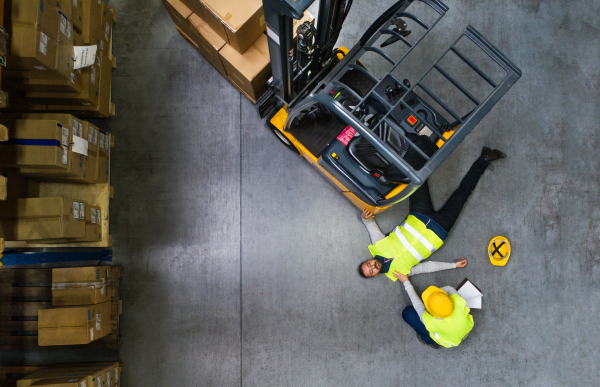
[420, 237]
[437, 339]
[407, 245]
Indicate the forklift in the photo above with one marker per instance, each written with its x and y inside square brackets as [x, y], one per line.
[372, 132]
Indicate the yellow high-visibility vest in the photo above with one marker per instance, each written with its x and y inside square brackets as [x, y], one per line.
[410, 243]
[452, 330]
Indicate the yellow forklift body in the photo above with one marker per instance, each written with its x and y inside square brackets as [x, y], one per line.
[278, 121]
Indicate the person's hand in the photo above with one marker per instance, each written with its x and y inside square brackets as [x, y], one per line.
[400, 276]
[461, 263]
[366, 214]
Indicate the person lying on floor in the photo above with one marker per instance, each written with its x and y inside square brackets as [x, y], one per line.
[424, 230]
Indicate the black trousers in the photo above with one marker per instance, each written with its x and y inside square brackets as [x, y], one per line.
[420, 200]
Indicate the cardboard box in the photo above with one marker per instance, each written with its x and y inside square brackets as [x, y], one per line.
[42, 218]
[89, 95]
[205, 40]
[103, 106]
[241, 22]
[64, 48]
[33, 31]
[91, 14]
[103, 157]
[36, 144]
[71, 325]
[81, 285]
[71, 126]
[93, 233]
[179, 12]
[103, 39]
[3, 189]
[73, 10]
[95, 374]
[251, 70]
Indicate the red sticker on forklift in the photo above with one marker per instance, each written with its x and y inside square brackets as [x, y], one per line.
[346, 135]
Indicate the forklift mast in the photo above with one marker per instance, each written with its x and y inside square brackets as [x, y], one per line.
[292, 75]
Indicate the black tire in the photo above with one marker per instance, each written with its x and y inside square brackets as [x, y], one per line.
[284, 140]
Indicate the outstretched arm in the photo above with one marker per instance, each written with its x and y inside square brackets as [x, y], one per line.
[414, 298]
[433, 266]
[368, 220]
[450, 290]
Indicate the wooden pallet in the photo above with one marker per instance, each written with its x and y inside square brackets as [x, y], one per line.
[24, 291]
[9, 374]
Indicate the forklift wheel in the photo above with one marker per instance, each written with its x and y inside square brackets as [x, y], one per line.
[284, 140]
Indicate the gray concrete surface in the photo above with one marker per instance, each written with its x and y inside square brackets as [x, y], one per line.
[240, 259]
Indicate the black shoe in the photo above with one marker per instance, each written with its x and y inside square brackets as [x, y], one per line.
[434, 345]
[490, 155]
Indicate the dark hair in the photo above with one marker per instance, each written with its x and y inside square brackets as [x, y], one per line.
[360, 271]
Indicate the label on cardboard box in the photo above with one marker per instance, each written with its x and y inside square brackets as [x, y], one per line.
[72, 77]
[98, 217]
[80, 145]
[82, 384]
[84, 56]
[102, 45]
[102, 289]
[99, 381]
[116, 374]
[108, 379]
[43, 42]
[107, 32]
[93, 76]
[65, 157]
[93, 215]
[91, 333]
[98, 321]
[76, 210]
[65, 136]
[75, 3]
[95, 141]
[69, 29]
[81, 210]
[63, 24]
[102, 140]
[41, 68]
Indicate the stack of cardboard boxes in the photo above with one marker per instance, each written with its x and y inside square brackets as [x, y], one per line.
[82, 307]
[55, 146]
[50, 220]
[104, 374]
[230, 34]
[40, 62]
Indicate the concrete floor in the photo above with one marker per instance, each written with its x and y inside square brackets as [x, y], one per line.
[240, 259]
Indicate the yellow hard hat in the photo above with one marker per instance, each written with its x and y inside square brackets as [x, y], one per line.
[499, 251]
[437, 302]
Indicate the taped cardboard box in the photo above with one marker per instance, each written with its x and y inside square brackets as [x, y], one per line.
[33, 30]
[240, 22]
[72, 325]
[75, 152]
[251, 70]
[42, 218]
[81, 285]
[36, 144]
[3, 189]
[206, 41]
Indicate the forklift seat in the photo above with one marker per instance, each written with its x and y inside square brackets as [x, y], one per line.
[367, 156]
